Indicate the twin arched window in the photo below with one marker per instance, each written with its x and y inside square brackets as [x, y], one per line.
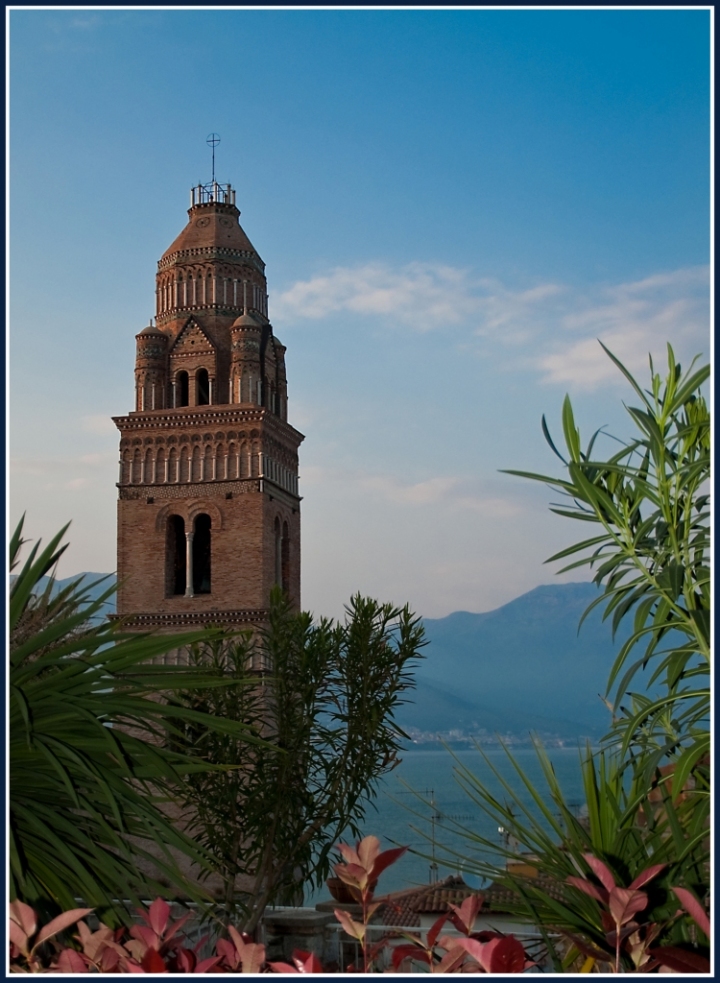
[202, 388]
[189, 556]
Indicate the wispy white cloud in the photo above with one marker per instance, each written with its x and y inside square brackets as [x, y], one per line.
[451, 492]
[556, 325]
[632, 320]
[421, 295]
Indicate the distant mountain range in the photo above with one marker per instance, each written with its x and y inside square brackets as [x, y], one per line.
[523, 667]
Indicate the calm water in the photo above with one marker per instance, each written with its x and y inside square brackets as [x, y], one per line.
[403, 819]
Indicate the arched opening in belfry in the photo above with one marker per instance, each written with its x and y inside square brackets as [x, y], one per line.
[176, 555]
[285, 559]
[202, 555]
[182, 389]
[202, 383]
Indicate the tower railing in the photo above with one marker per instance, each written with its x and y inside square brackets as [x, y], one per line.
[205, 194]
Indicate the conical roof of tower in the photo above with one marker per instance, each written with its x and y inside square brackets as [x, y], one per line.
[212, 225]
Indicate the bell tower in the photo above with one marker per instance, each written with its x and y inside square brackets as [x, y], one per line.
[208, 505]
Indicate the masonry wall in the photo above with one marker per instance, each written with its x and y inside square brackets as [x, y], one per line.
[243, 564]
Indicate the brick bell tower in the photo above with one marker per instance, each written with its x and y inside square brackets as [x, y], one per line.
[208, 509]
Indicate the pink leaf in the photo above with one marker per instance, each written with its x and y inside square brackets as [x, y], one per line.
[602, 872]
[71, 961]
[450, 961]
[354, 929]
[65, 920]
[253, 957]
[23, 915]
[693, 907]
[624, 903]
[207, 964]
[109, 960]
[226, 950]
[467, 913]
[349, 853]
[367, 851]
[282, 968]
[18, 937]
[587, 888]
[471, 946]
[150, 939]
[158, 915]
[647, 875]
[130, 966]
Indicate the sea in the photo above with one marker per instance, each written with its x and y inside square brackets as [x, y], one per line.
[421, 805]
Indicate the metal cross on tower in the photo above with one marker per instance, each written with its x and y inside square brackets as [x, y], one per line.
[212, 141]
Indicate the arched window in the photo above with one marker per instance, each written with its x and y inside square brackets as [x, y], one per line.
[285, 558]
[160, 466]
[202, 387]
[173, 465]
[207, 466]
[182, 389]
[201, 555]
[136, 466]
[176, 555]
[195, 464]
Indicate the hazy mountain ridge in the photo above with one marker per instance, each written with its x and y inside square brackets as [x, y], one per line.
[519, 668]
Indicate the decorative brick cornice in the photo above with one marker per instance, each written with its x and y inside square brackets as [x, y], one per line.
[208, 416]
[189, 619]
[201, 254]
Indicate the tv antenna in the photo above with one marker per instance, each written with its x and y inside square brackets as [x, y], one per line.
[212, 141]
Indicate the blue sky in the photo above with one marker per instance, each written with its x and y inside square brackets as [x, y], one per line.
[452, 207]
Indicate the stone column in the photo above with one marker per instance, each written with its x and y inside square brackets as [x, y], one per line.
[189, 564]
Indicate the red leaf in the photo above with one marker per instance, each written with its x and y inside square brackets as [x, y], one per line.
[505, 955]
[693, 907]
[434, 930]
[71, 961]
[306, 962]
[153, 962]
[681, 960]
[602, 872]
[65, 920]
[157, 916]
[587, 888]
[282, 968]
[386, 858]
[401, 952]
[647, 875]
